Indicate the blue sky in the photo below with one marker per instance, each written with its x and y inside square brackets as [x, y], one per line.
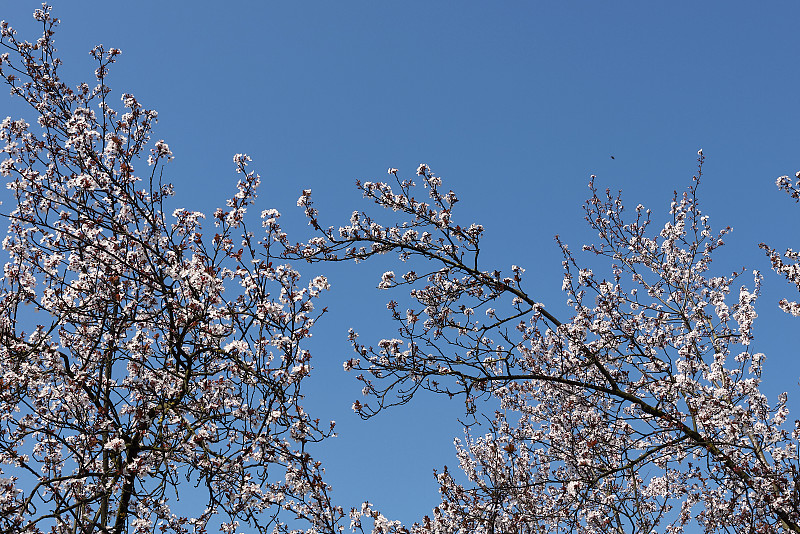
[515, 104]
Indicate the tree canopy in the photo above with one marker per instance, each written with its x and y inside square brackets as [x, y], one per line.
[145, 351]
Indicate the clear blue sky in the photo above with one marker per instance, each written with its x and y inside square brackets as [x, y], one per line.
[515, 104]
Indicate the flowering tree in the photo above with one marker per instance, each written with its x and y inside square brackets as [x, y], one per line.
[640, 413]
[140, 357]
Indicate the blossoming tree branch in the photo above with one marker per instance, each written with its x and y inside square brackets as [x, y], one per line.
[639, 413]
[141, 355]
